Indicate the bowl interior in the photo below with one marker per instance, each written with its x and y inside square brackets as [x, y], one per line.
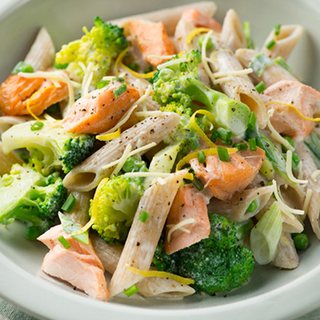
[64, 20]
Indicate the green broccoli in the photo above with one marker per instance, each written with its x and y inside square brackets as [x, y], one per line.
[218, 263]
[51, 147]
[185, 134]
[116, 206]
[100, 46]
[178, 83]
[29, 196]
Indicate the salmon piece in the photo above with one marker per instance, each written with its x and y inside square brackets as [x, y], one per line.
[189, 203]
[79, 265]
[152, 39]
[285, 119]
[200, 19]
[99, 110]
[226, 178]
[16, 92]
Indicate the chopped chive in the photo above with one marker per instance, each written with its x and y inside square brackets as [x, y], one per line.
[247, 33]
[227, 142]
[209, 43]
[201, 157]
[102, 83]
[252, 121]
[143, 216]
[60, 66]
[253, 206]
[120, 79]
[214, 136]
[120, 90]
[270, 45]
[64, 242]
[131, 291]
[133, 66]
[69, 204]
[37, 126]
[253, 144]
[279, 60]
[260, 87]
[277, 29]
[224, 134]
[241, 146]
[198, 184]
[22, 67]
[223, 154]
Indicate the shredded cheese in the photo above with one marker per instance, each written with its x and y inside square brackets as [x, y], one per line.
[275, 134]
[161, 57]
[87, 78]
[204, 55]
[315, 175]
[179, 226]
[122, 160]
[109, 136]
[144, 106]
[171, 63]
[207, 152]
[289, 170]
[307, 200]
[199, 131]
[294, 108]
[284, 208]
[233, 73]
[188, 39]
[148, 174]
[160, 274]
[127, 115]
[132, 153]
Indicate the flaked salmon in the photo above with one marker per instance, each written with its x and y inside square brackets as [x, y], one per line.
[152, 39]
[285, 119]
[79, 265]
[188, 204]
[16, 91]
[200, 19]
[100, 110]
[226, 178]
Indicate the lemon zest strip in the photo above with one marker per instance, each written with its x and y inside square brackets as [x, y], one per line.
[194, 33]
[109, 136]
[160, 274]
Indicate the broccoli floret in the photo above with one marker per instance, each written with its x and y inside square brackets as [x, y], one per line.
[218, 263]
[178, 83]
[100, 46]
[185, 134]
[117, 204]
[31, 197]
[51, 147]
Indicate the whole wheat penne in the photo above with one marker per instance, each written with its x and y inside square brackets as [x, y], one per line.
[309, 167]
[148, 287]
[182, 30]
[286, 255]
[143, 237]
[89, 173]
[169, 17]
[80, 212]
[7, 160]
[41, 54]
[235, 209]
[271, 74]
[239, 87]
[285, 41]
[232, 35]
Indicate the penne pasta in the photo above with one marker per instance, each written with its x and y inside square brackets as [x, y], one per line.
[285, 41]
[148, 287]
[232, 35]
[88, 174]
[143, 237]
[41, 54]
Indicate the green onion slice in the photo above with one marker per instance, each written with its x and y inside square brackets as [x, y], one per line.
[259, 62]
[37, 126]
[277, 29]
[64, 242]
[247, 33]
[131, 291]
[69, 203]
[120, 90]
[143, 216]
[260, 87]
[223, 154]
[201, 157]
[279, 60]
[252, 144]
[252, 121]
[241, 146]
[270, 44]
[22, 67]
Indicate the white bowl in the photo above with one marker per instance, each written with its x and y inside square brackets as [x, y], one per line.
[271, 293]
